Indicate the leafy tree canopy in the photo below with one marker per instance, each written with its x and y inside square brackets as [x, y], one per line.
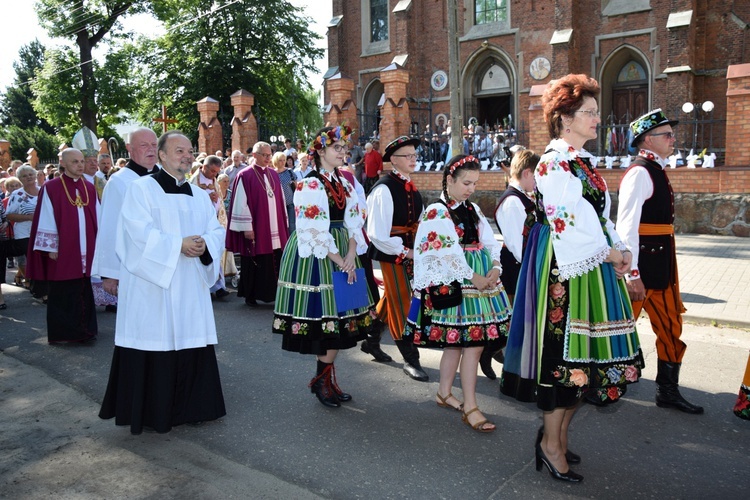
[16, 103]
[263, 46]
[24, 138]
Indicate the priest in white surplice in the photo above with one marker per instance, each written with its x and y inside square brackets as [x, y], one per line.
[164, 369]
[142, 150]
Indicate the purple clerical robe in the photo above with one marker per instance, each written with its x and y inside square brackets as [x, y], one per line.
[257, 200]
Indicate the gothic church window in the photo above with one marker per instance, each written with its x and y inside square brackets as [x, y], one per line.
[378, 20]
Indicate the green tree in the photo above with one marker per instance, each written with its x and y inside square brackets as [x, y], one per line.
[22, 139]
[262, 46]
[16, 103]
[86, 22]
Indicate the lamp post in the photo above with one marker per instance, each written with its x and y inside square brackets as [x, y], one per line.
[707, 107]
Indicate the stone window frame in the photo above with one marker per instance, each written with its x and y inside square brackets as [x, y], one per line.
[369, 47]
[475, 31]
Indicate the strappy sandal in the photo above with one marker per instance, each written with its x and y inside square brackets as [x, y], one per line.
[479, 426]
[443, 403]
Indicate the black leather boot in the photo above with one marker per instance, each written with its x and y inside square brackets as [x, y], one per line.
[412, 367]
[371, 345]
[340, 395]
[322, 387]
[485, 363]
[667, 389]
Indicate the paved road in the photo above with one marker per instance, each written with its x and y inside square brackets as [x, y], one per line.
[392, 441]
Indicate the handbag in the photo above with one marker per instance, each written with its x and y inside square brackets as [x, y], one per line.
[350, 296]
[445, 296]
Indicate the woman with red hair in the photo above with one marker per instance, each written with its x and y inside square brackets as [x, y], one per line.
[573, 330]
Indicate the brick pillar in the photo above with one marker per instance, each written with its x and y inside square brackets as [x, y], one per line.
[341, 109]
[738, 115]
[210, 137]
[538, 136]
[395, 110]
[244, 125]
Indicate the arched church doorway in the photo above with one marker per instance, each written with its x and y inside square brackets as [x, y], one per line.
[630, 91]
[491, 99]
[369, 111]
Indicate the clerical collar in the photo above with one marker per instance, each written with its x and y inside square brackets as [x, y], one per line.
[170, 184]
[141, 171]
[650, 155]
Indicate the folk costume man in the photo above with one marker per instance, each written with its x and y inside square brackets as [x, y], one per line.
[258, 227]
[164, 371]
[142, 150]
[513, 210]
[645, 218]
[206, 179]
[61, 250]
[394, 207]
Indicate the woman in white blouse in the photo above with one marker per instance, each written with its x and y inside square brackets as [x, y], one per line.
[455, 251]
[329, 228]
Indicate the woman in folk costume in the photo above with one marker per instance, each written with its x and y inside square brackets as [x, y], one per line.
[329, 228]
[574, 327]
[455, 252]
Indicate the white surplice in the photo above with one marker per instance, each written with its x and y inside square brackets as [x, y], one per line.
[164, 298]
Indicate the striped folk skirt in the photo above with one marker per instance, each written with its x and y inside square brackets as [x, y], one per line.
[305, 311]
[480, 320]
[568, 335]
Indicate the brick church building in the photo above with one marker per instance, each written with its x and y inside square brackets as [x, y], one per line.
[388, 60]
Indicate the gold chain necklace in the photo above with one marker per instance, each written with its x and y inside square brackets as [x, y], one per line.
[269, 189]
[78, 202]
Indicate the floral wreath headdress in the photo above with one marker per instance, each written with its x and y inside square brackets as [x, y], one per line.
[467, 159]
[325, 139]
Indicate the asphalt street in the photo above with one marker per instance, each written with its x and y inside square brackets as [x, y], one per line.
[392, 441]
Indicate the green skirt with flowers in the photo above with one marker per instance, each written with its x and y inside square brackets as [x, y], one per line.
[305, 310]
[480, 320]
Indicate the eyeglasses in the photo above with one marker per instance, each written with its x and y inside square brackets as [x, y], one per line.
[339, 148]
[412, 156]
[669, 135]
[264, 155]
[593, 113]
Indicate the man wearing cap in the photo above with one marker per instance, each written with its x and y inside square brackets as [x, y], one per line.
[645, 220]
[394, 206]
[87, 143]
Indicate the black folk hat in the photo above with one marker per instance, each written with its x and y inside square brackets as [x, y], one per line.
[397, 144]
[647, 122]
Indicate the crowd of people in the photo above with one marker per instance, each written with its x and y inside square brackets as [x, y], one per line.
[556, 302]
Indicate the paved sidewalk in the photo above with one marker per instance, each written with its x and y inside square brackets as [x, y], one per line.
[715, 278]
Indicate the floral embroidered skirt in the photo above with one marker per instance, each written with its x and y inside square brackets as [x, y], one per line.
[480, 320]
[305, 312]
[742, 406]
[568, 335]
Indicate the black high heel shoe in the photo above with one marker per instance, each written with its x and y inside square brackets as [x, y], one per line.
[571, 457]
[570, 476]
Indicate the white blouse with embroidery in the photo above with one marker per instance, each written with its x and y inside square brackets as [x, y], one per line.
[577, 236]
[438, 255]
[313, 218]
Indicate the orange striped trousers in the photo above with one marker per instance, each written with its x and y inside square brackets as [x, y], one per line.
[664, 309]
[394, 305]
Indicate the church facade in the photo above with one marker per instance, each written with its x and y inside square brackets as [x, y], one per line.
[388, 60]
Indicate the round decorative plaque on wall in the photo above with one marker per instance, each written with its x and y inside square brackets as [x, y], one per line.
[439, 80]
[539, 68]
